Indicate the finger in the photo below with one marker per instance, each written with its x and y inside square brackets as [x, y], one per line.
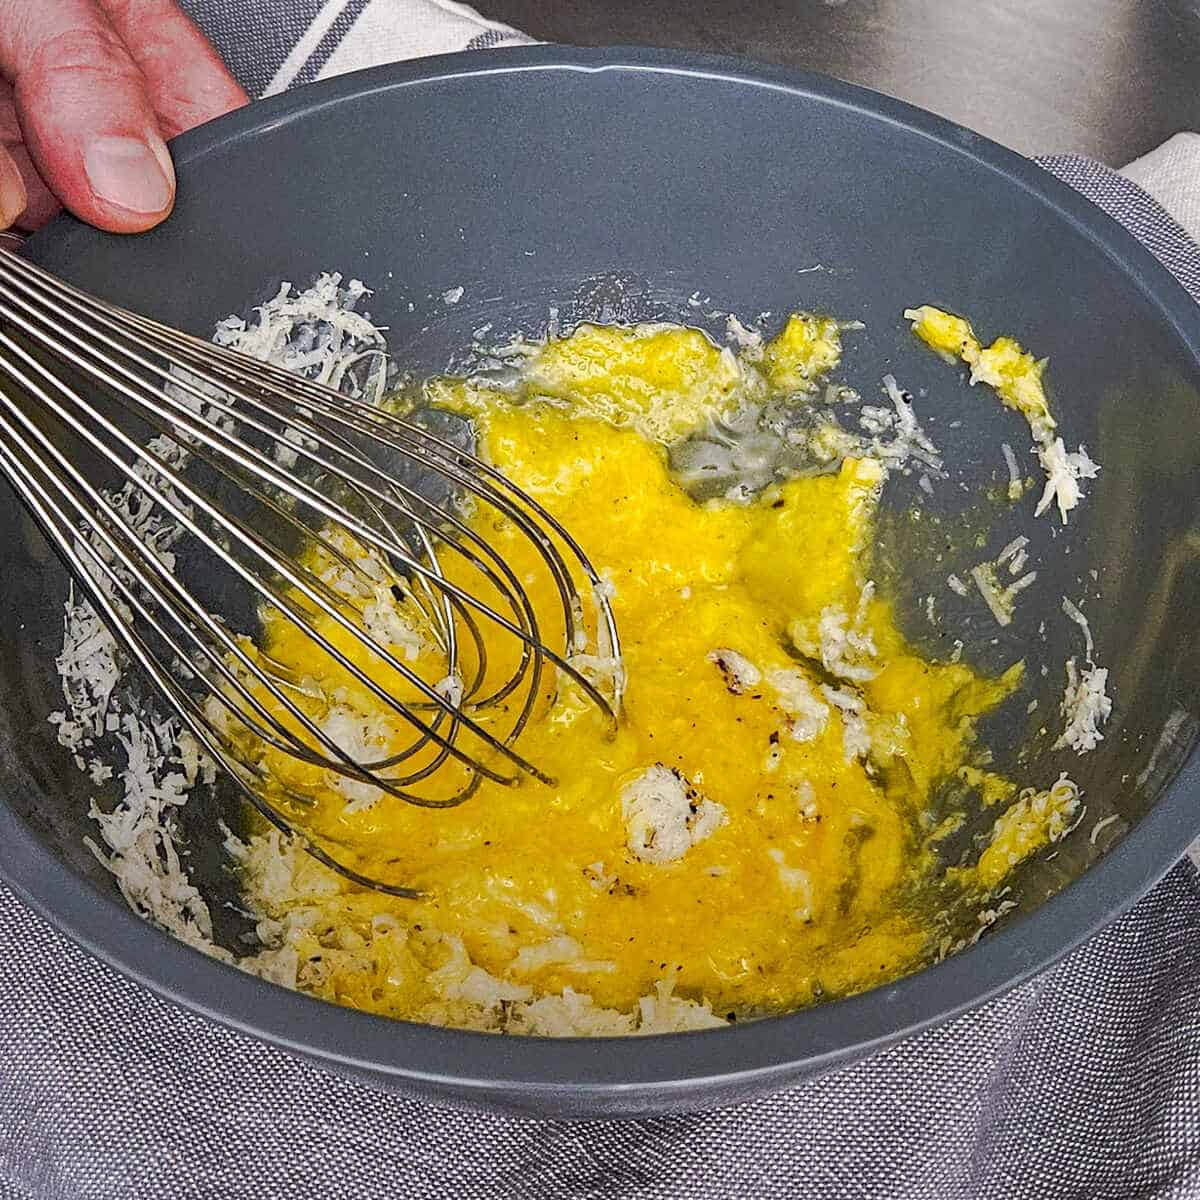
[187, 81]
[87, 122]
[12, 191]
[40, 205]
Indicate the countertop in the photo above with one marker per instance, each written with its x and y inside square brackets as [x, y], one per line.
[1106, 78]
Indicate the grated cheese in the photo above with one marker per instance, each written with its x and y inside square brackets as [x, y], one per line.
[909, 442]
[365, 740]
[1016, 377]
[451, 689]
[1063, 472]
[749, 341]
[1085, 703]
[665, 816]
[571, 1014]
[807, 716]
[314, 332]
[1014, 547]
[1000, 600]
[844, 644]
[739, 673]
[1102, 825]
[1015, 486]
[392, 628]
[1073, 611]
[138, 834]
[460, 979]
[797, 880]
[463, 993]
[664, 1012]
[558, 951]
[1035, 819]
[856, 737]
[90, 670]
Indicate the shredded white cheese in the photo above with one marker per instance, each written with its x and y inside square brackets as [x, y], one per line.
[843, 644]
[1085, 704]
[1053, 810]
[856, 736]
[909, 442]
[796, 880]
[460, 979]
[1000, 600]
[807, 716]
[749, 341]
[1015, 487]
[314, 332]
[451, 689]
[665, 816]
[739, 673]
[90, 669]
[392, 628]
[1014, 547]
[364, 740]
[1101, 825]
[1063, 472]
[571, 1014]
[1072, 610]
[559, 951]
[664, 1012]
[1085, 707]
[138, 833]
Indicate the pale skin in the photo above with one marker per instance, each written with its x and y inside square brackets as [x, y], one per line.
[91, 91]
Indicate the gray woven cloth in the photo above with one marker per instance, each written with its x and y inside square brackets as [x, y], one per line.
[1082, 1084]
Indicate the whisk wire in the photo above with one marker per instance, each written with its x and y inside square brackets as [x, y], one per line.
[185, 416]
[48, 516]
[254, 541]
[281, 441]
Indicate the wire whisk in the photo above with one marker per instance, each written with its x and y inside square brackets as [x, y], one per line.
[243, 469]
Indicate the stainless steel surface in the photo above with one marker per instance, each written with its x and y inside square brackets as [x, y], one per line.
[286, 463]
[1106, 78]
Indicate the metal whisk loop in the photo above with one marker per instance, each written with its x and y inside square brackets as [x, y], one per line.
[313, 504]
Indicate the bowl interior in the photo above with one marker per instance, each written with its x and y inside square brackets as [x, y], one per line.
[536, 182]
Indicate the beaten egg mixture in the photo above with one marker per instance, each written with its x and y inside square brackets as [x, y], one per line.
[757, 833]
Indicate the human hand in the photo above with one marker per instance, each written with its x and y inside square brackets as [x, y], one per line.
[90, 90]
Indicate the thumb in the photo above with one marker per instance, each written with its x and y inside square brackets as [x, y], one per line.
[85, 116]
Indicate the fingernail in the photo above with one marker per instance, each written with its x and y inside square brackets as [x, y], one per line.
[13, 199]
[129, 174]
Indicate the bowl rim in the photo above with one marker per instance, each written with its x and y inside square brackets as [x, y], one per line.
[810, 1040]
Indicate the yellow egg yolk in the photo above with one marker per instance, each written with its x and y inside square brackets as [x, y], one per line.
[811, 883]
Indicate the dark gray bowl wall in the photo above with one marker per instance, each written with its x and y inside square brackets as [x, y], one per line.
[524, 176]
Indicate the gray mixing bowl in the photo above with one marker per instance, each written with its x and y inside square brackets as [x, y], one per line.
[615, 184]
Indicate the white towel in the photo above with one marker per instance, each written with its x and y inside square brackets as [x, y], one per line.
[1171, 174]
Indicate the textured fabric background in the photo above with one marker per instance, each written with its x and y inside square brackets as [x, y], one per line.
[1084, 1084]
[271, 45]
